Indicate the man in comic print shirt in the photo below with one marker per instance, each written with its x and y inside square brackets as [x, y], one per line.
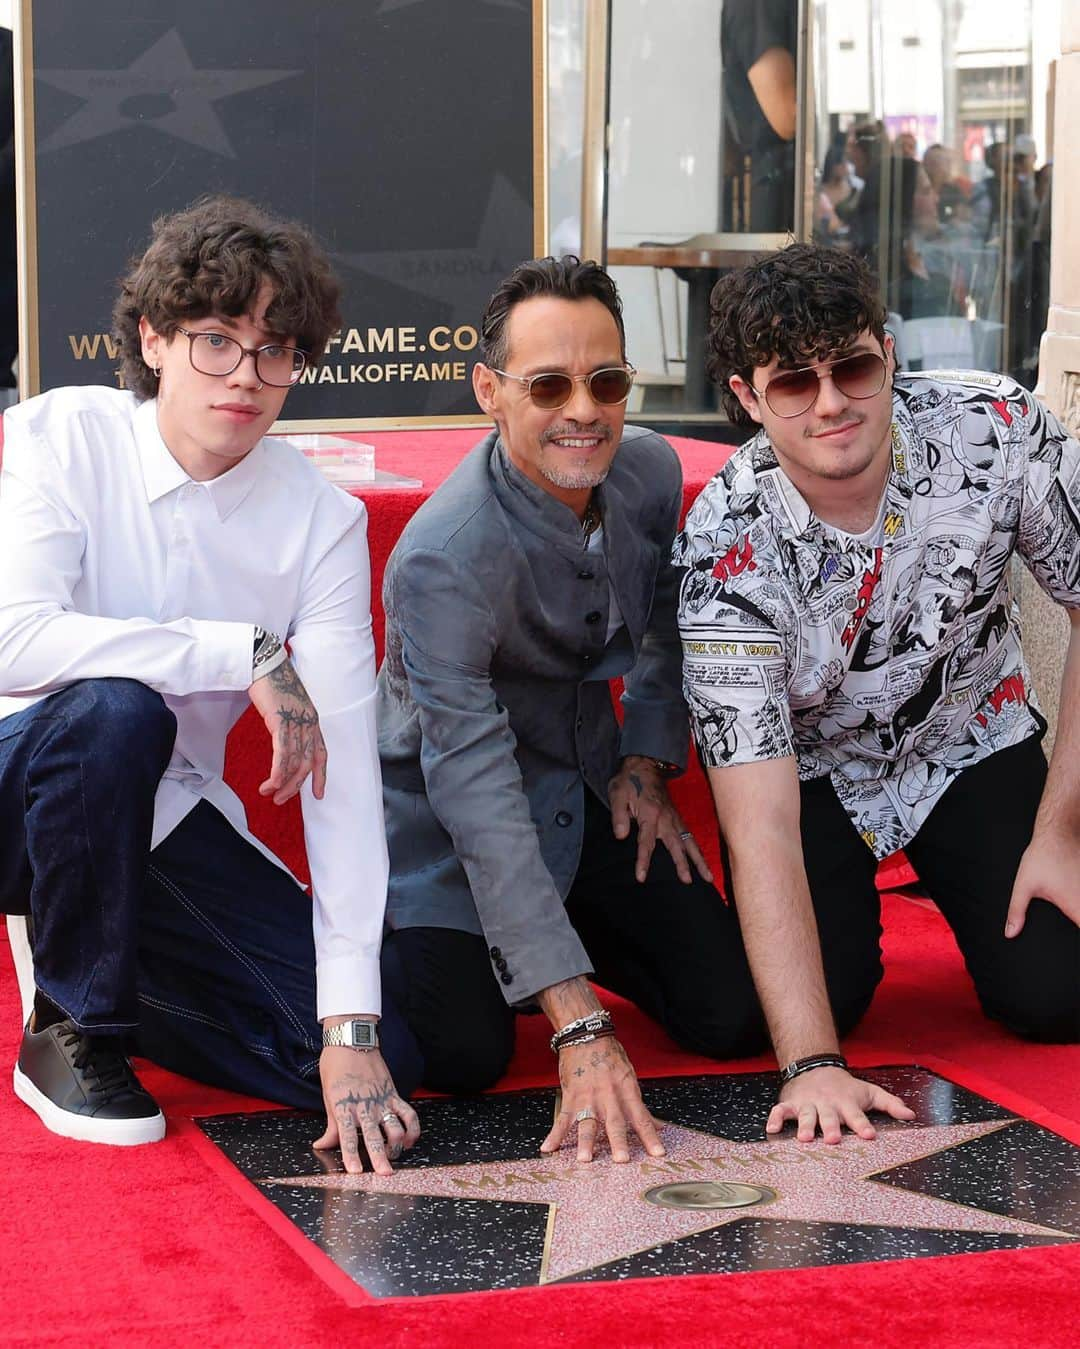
[855, 675]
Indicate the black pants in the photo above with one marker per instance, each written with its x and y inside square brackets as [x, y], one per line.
[966, 855]
[676, 952]
[673, 949]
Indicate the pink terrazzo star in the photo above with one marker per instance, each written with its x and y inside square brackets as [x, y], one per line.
[598, 1212]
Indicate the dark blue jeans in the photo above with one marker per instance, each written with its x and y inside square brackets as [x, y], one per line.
[203, 948]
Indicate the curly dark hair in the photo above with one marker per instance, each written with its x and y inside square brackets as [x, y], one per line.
[567, 278]
[804, 303]
[212, 258]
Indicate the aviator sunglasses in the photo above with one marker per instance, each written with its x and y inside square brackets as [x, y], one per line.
[550, 391]
[793, 392]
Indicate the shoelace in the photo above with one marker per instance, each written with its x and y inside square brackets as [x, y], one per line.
[105, 1066]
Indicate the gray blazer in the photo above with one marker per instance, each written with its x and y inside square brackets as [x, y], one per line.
[494, 712]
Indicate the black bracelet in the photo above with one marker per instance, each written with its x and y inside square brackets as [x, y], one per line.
[584, 1037]
[593, 1021]
[813, 1061]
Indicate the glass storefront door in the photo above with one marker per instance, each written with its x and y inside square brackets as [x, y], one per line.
[916, 134]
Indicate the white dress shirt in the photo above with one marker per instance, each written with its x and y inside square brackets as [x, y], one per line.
[113, 562]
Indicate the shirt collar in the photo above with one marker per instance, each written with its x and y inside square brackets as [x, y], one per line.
[162, 474]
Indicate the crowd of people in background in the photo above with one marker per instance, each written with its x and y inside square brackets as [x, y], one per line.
[946, 240]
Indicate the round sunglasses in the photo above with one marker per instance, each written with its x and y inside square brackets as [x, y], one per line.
[793, 392]
[607, 387]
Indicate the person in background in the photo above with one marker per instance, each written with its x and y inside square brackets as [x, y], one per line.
[758, 42]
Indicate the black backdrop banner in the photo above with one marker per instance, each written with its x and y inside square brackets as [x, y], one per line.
[406, 134]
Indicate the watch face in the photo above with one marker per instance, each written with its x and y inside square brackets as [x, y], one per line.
[363, 1035]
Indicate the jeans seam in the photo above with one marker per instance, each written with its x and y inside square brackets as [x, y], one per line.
[187, 1014]
[237, 954]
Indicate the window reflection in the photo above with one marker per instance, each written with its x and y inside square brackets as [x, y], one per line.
[927, 166]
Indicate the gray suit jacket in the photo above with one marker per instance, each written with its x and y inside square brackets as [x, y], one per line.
[494, 712]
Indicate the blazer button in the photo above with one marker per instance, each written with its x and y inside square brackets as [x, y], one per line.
[501, 964]
[506, 978]
[594, 616]
[495, 953]
[564, 819]
[585, 575]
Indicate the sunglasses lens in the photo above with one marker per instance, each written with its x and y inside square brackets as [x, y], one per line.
[610, 386]
[860, 376]
[792, 393]
[551, 391]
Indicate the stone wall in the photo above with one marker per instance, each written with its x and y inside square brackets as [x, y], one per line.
[1046, 627]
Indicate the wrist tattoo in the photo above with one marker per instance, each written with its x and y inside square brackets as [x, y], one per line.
[268, 653]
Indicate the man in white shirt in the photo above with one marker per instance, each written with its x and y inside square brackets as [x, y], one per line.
[155, 554]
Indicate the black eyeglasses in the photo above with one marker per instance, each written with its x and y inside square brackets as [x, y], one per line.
[607, 387]
[793, 392]
[216, 354]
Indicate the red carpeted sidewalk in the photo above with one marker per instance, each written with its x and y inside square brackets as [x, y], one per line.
[158, 1246]
[155, 1246]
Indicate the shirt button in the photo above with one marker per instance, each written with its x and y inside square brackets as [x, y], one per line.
[506, 978]
[585, 575]
[495, 953]
[594, 616]
[564, 819]
[579, 723]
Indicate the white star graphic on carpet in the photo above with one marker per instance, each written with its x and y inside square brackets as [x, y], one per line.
[598, 1211]
[163, 72]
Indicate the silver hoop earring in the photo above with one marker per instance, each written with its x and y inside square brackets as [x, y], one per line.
[155, 370]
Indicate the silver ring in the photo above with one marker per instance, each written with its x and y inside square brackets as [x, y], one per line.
[389, 1115]
[686, 833]
[583, 1115]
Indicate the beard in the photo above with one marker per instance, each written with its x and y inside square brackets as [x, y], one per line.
[568, 475]
[573, 479]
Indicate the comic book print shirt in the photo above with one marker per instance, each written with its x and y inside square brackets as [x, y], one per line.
[892, 662]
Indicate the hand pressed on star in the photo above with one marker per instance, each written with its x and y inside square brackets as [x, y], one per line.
[363, 1106]
[600, 1091]
[831, 1099]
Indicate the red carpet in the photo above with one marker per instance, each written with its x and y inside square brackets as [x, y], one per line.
[159, 1246]
[154, 1246]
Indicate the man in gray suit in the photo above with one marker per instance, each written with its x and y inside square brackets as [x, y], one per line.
[522, 820]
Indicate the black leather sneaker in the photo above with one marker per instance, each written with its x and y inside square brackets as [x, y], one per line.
[82, 1086]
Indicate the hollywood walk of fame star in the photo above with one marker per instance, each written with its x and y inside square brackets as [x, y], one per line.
[598, 1212]
[163, 74]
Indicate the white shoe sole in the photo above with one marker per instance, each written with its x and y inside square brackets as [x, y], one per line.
[24, 961]
[87, 1128]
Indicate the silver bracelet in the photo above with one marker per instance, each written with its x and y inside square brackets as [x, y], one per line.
[594, 1021]
[268, 653]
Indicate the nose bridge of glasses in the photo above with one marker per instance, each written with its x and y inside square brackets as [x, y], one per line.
[581, 395]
